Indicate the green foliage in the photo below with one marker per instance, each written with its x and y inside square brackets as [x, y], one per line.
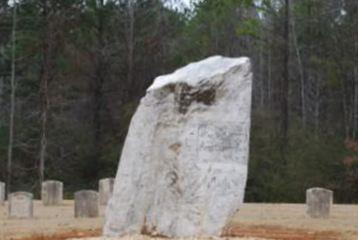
[250, 27]
[312, 161]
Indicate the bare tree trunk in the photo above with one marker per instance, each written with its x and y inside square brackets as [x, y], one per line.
[1, 97]
[269, 77]
[302, 79]
[98, 95]
[130, 41]
[355, 110]
[43, 142]
[45, 75]
[345, 110]
[355, 101]
[12, 101]
[2, 88]
[317, 106]
[261, 74]
[285, 85]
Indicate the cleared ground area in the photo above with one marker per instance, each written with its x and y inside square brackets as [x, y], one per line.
[268, 221]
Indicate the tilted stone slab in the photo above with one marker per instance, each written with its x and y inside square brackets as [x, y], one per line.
[318, 202]
[105, 189]
[86, 204]
[20, 205]
[2, 193]
[52, 192]
[183, 167]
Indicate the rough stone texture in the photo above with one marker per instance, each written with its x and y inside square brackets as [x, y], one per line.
[2, 193]
[52, 193]
[183, 167]
[20, 205]
[105, 190]
[86, 204]
[318, 202]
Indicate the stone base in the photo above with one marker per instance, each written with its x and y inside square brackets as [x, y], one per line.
[143, 237]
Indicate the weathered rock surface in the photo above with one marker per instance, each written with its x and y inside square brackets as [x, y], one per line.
[105, 189]
[318, 202]
[20, 205]
[86, 204]
[183, 167]
[2, 193]
[52, 192]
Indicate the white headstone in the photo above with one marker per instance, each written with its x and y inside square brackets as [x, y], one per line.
[2, 193]
[86, 204]
[20, 205]
[318, 202]
[184, 164]
[52, 192]
[105, 190]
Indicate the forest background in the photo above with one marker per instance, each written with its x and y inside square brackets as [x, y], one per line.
[72, 73]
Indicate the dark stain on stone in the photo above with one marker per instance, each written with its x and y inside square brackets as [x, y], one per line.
[175, 147]
[171, 87]
[172, 178]
[185, 95]
[151, 231]
[207, 96]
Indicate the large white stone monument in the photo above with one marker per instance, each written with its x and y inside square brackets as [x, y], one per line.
[2, 193]
[184, 164]
[52, 192]
[105, 189]
[318, 202]
[20, 205]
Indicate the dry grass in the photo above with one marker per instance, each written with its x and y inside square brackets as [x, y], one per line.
[343, 218]
[254, 221]
[47, 221]
[280, 233]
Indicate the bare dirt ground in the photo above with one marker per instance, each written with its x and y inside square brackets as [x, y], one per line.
[253, 221]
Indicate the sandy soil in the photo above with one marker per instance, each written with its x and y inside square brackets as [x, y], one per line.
[342, 218]
[46, 221]
[270, 221]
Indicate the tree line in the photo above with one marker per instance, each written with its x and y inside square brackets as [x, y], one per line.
[73, 71]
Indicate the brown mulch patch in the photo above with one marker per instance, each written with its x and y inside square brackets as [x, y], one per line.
[65, 235]
[256, 231]
[279, 233]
